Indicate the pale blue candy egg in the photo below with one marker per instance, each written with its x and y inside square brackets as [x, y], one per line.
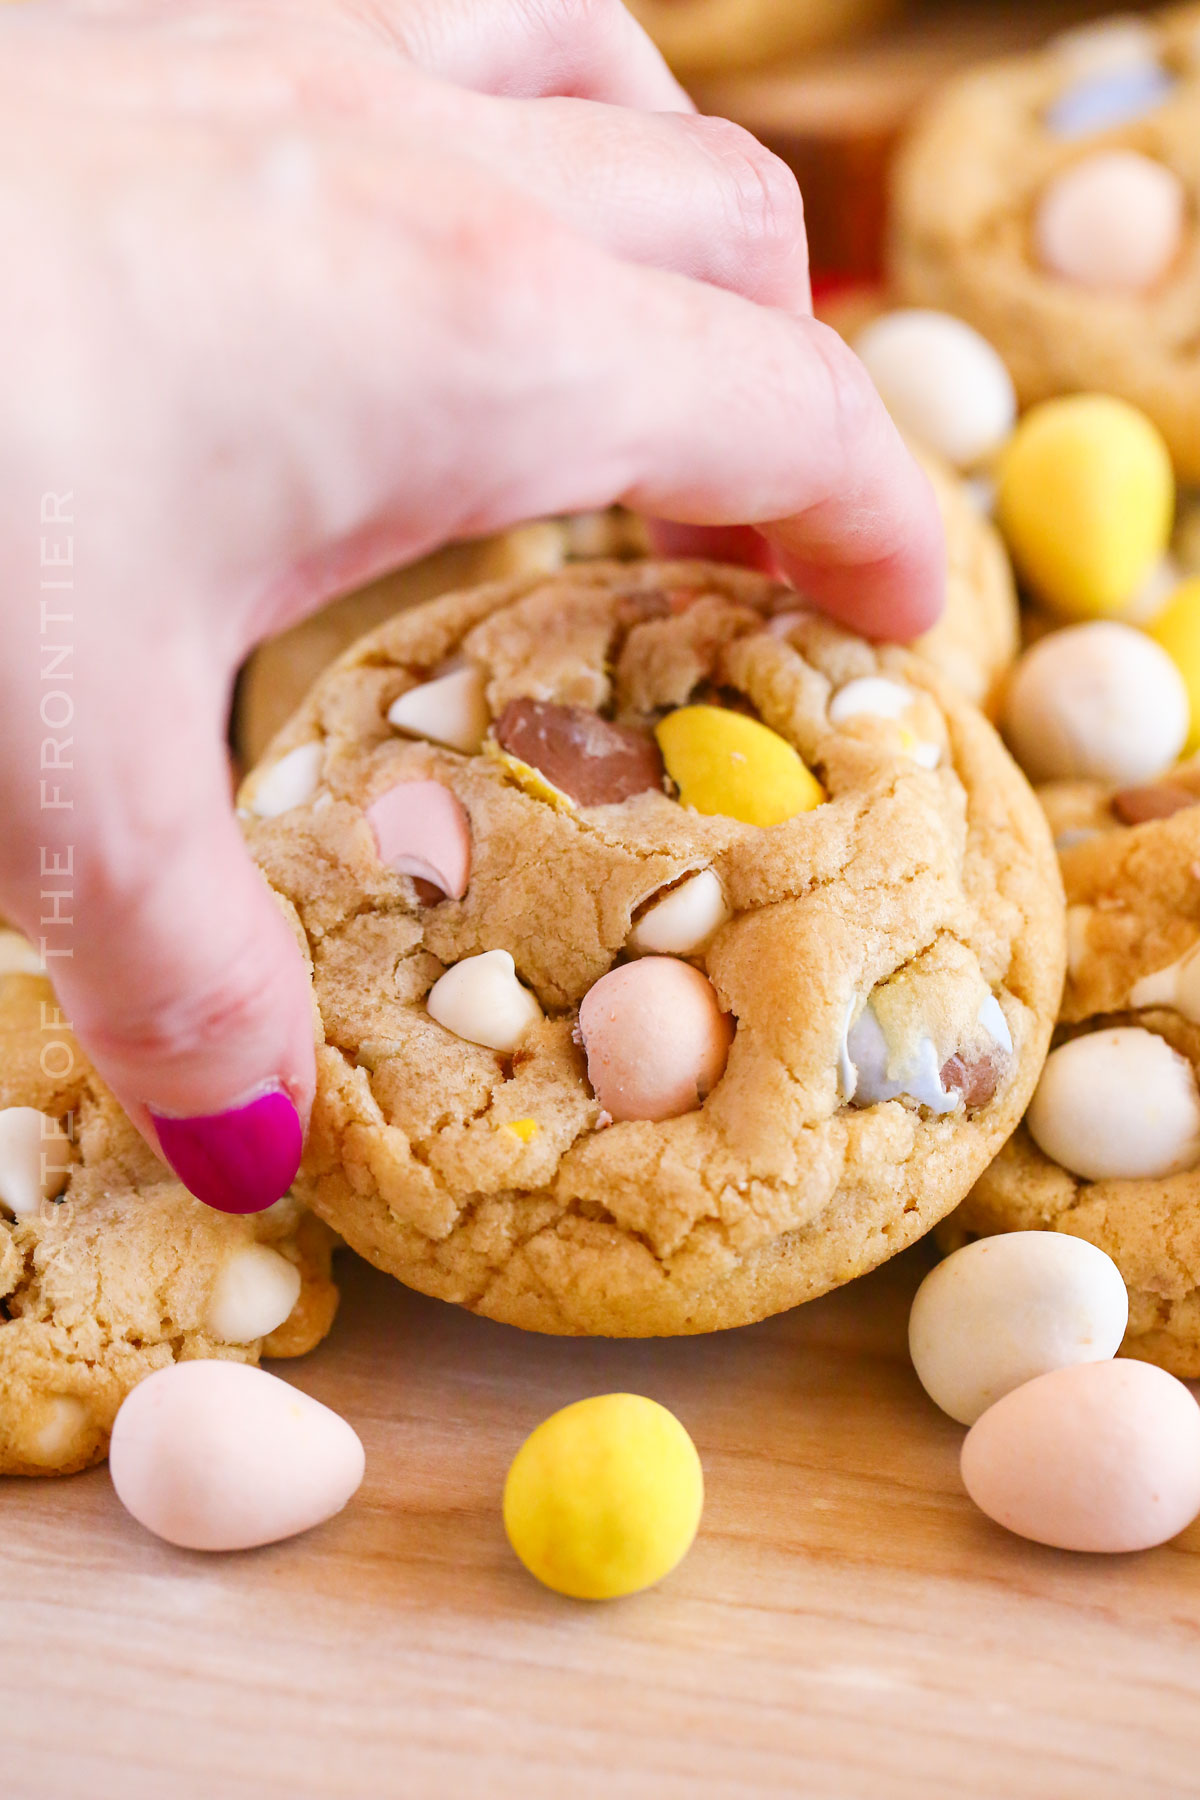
[1104, 101]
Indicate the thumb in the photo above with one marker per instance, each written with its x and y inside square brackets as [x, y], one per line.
[168, 952]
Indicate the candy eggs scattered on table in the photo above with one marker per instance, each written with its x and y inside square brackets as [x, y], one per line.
[605, 1497]
[1086, 501]
[254, 1292]
[1103, 1456]
[1005, 1309]
[941, 381]
[684, 919]
[725, 763]
[222, 1456]
[655, 1038]
[1096, 702]
[1118, 1104]
[421, 829]
[480, 999]
[1177, 629]
[1113, 221]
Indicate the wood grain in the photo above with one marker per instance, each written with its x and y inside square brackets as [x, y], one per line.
[846, 1628]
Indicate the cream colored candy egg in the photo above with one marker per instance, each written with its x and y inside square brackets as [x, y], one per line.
[1117, 1105]
[941, 381]
[655, 1037]
[684, 919]
[1096, 702]
[222, 1456]
[1104, 1456]
[254, 1292]
[35, 1155]
[1114, 220]
[451, 710]
[1004, 1309]
[1176, 987]
[481, 1000]
[290, 782]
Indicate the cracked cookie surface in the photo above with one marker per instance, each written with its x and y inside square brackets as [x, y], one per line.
[121, 1271]
[965, 197]
[923, 882]
[1133, 892]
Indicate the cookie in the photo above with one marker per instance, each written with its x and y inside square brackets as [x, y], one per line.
[706, 970]
[1111, 1148]
[109, 1269]
[705, 36]
[978, 635]
[1050, 200]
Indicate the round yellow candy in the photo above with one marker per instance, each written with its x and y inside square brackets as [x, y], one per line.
[605, 1497]
[725, 763]
[1177, 629]
[1086, 500]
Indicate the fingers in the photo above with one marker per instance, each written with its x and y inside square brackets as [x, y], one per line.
[167, 951]
[699, 196]
[592, 49]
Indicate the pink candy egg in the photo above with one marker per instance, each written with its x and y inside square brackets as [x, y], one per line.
[217, 1455]
[422, 830]
[1099, 1456]
[1113, 220]
[656, 1038]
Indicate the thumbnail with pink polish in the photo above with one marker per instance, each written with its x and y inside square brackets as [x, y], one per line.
[240, 1161]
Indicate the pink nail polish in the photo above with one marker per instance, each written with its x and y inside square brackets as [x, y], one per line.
[240, 1161]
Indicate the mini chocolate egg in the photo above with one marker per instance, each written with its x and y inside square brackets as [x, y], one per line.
[1005, 1309]
[655, 1037]
[422, 830]
[941, 381]
[217, 1455]
[1103, 1456]
[1086, 501]
[1098, 702]
[1113, 221]
[1117, 1105]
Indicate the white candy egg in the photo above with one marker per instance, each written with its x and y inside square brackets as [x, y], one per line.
[1117, 1105]
[1100, 702]
[1103, 1456]
[940, 381]
[254, 1292]
[684, 919]
[481, 1000]
[1004, 1309]
[1113, 221]
[223, 1456]
[290, 782]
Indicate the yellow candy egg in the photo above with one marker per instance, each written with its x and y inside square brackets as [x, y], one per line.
[725, 763]
[1086, 499]
[1177, 629]
[605, 1497]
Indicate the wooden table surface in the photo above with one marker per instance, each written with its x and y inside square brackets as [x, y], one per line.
[846, 1624]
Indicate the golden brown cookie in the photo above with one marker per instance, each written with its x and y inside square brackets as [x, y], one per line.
[975, 640]
[1131, 1021]
[705, 36]
[968, 213]
[109, 1269]
[628, 1082]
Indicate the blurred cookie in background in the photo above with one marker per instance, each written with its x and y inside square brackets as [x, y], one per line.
[703, 36]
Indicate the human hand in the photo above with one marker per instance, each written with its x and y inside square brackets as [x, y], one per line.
[294, 291]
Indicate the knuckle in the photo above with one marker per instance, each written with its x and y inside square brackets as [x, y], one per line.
[765, 194]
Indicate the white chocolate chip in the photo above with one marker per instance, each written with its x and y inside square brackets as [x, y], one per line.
[879, 1076]
[35, 1154]
[1096, 702]
[290, 782]
[875, 697]
[1177, 986]
[1117, 1105]
[58, 1426]
[450, 710]
[18, 956]
[1003, 1310]
[1079, 919]
[254, 1292]
[481, 1000]
[684, 919]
